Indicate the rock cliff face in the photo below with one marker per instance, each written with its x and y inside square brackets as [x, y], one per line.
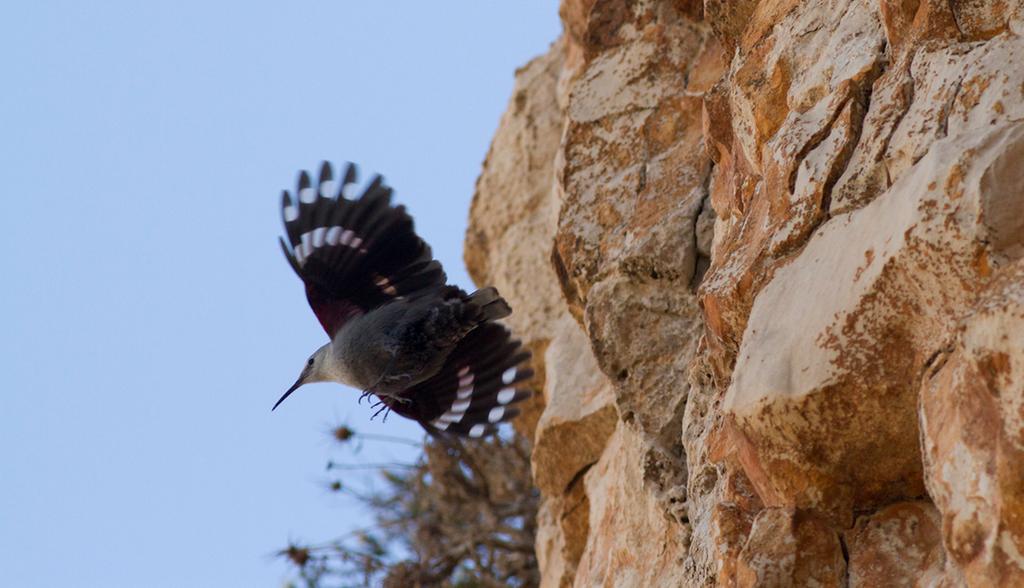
[769, 256]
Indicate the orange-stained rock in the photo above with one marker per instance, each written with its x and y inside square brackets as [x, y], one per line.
[514, 211]
[631, 541]
[632, 178]
[729, 18]
[972, 421]
[870, 317]
[563, 527]
[512, 218]
[900, 545]
[898, 17]
[580, 414]
[650, 201]
[980, 20]
[760, 250]
[791, 548]
[731, 525]
[786, 122]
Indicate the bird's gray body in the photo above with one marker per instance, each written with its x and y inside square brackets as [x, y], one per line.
[397, 345]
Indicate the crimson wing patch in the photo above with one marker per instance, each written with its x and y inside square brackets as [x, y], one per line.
[353, 254]
[475, 389]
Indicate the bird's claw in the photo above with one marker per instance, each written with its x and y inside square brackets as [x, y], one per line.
[385, 409]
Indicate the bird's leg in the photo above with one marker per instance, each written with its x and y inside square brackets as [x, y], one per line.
[386, 408]
[369, 389]
[380, 410]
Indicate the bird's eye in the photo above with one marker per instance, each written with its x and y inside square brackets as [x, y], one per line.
[310, 362]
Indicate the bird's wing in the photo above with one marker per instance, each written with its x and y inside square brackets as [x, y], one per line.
[476, 387]
[353, 254]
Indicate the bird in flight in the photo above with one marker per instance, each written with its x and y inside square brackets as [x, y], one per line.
[427, 350]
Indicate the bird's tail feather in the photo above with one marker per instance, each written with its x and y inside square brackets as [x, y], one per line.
[489, 303]
[482, 380]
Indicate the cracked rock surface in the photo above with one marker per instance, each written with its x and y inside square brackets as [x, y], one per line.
[769, 256]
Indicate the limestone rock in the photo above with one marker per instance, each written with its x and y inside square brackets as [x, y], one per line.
[632, 179]
[784, 122]
[972, 422]
[900, 545]
[513, 216]
[791, 548]
[563, 528]
[631, 543]
[768, 254]
[870, 316]
[580, 415]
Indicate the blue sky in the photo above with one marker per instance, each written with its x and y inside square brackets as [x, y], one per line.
[149, 319]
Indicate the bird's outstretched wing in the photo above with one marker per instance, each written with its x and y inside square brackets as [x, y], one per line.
[353, 254]
[476, 387]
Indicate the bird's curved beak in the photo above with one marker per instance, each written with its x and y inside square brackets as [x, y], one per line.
[294, 387]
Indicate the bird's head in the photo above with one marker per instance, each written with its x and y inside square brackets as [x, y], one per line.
[315, 370]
